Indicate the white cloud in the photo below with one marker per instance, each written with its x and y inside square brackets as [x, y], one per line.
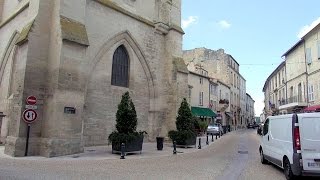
[224, 24]
[191, 20]
[305, 29]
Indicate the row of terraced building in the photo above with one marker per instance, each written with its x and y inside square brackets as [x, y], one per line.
[294, 86]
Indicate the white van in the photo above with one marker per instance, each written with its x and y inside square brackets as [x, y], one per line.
[292, 142]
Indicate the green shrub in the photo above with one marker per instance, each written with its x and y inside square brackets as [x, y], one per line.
[185, 125]
[196, 122]
[181, 136]
[126, 122]
[203, 125]
[185, 118]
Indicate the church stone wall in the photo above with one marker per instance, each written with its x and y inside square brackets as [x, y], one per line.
[67, 63]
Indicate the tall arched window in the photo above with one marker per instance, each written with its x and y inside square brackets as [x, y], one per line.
[120, 67]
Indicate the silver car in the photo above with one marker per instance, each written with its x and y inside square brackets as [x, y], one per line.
[215, 129]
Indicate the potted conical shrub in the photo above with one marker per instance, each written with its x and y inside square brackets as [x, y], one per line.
[185, 134]
[126, 125]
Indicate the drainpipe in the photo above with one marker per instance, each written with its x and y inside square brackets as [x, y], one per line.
[285, 81]
[307, 81]
[209, 96]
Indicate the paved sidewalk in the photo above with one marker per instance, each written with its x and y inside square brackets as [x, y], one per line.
[149, 150]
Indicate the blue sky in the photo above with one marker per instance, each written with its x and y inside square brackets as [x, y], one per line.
[256, 33]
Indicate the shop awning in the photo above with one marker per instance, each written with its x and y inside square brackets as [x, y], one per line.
[315, 108]
[228, 114]
[198, 111]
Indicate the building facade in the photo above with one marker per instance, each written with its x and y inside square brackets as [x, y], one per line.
[275, 91]
[223, 67]
[83, 55]
[201, 93]
[243, 102]
[312, 54]
[224, 104]
[294, 86]
[250, 115]
[234, 79]
[296, 79]
[213, 94]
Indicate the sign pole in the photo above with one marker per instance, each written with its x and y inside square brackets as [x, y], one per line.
[27, 141]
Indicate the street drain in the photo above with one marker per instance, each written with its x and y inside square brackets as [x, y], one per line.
[75, 156]
[243, 152]
[91, 150]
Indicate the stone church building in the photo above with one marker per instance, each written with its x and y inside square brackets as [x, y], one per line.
[78, 57]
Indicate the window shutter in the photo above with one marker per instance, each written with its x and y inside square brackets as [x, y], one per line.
[201, 98]
[312, 93]
[318, 45]
[308, 56]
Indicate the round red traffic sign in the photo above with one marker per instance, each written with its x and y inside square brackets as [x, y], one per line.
[31, 100]
[29, 115]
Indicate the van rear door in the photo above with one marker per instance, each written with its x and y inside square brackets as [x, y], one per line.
[309, 125]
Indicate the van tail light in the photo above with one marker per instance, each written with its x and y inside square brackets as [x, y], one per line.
[296, 135]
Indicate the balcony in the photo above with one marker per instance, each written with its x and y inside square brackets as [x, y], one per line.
[292, 102]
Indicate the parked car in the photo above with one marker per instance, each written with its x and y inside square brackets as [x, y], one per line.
[292, 142]
[215, 129]
[250, 126]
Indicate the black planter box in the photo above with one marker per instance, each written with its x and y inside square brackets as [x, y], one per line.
[133, 146]
[187, 142]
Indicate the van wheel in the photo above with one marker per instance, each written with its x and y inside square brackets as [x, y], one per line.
[287, 170]
[262, 159]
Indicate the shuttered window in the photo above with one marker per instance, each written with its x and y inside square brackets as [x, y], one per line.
[120, 67]
[318, 45]
[200, 98]
[308, 56]
[310, 93]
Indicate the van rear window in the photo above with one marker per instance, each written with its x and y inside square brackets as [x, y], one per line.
[310, 127]
[280, 129]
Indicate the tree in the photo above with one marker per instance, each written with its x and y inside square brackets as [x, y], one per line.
[184, 119]
[126, 122]
[126, 116]
[185, 125]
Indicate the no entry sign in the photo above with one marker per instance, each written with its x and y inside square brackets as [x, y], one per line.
[29, 115]
[31, 100]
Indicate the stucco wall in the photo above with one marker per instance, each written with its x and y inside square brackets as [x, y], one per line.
[312, 40]
[294, 59]
[194, 81]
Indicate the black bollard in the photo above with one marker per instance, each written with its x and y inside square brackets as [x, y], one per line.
[207, 140]
[212, 137]
[174, 147]
[122, 151]
[199, 147]
[216, 136]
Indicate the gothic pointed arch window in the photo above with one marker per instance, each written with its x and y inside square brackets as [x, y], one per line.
[120, 67]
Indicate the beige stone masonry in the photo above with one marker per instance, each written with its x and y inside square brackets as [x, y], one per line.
[73, 31]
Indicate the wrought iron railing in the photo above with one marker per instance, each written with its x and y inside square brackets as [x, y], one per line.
[293, 99]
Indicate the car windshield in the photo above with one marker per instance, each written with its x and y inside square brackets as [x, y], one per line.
[216, 125]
